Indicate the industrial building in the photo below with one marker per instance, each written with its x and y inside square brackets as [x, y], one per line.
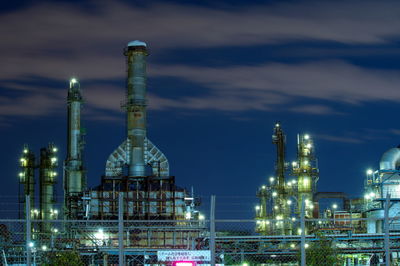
[282, 197]
[136, 168]
[137, 177]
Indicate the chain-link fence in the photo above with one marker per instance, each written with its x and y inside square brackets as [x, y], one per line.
[373, 240]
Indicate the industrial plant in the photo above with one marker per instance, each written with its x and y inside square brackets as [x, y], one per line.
[136, 169]
[147, 212]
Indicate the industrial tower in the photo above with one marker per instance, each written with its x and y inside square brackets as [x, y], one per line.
[280, 201]
[74, 175]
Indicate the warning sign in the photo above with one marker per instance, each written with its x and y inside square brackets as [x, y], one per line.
[184, 255]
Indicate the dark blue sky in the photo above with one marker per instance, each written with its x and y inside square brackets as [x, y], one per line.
[220, 75]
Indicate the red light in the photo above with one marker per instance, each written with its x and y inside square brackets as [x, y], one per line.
[184, 263]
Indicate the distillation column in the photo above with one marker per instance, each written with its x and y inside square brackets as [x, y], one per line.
[307, 172]
[27, 176]
[74, 171]
[47, 178]
[280, 208]
[135, 106]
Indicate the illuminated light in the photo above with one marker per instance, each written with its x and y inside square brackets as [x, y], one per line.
[366, 196]
[306, 245]
[334, 206]
[372, 194]
[293, 219]
[257, 207]
[31, 244]
[245, 264]
[294, 181]
[299, 231]
[294, 164]
[183, 263]
[274, 194]
[55, 230]
[25, 151]
[289, 184]
[55, 211]
[201, 217]
[306, 136]
[22, 160]
[275, 207]
[44, 247]
[309, 145]
[100, 234]
[271, 179]
[305, 162]
[54, 159]
[258, 222]
[73, 81]
[188, 215]
[319, 222]
[263, 187]
[267, 222]
[292, 245]
[279, 217]
[369, 172]
[21, 174]
[277, 125]
[289, 202]
[54, 149]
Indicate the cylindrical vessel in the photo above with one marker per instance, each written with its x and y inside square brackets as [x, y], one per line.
[136, 53]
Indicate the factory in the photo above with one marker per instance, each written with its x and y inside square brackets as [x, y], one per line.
[280, 201]
[282, 198]
[137, 177]
[136, 169]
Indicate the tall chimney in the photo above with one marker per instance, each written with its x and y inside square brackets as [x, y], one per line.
[136, 52]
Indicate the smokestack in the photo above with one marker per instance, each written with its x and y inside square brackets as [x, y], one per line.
[136, 52]
[73, 175]
[137, 151]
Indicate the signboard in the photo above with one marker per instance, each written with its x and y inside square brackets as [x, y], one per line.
[184, 255]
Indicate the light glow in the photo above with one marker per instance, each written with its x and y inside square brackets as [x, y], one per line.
[370, 172]
[183, 263]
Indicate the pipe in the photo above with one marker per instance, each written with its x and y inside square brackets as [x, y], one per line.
[136, 52]
[390, 160]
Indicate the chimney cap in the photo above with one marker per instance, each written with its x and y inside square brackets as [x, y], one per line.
[136, 43]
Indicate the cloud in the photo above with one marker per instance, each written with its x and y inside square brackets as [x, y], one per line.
[342, 139]
[61, 40]
[271, 84]
[314, 109]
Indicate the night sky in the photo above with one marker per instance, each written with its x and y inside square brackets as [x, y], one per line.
[220, 73]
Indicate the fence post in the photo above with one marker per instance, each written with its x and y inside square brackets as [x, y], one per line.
[121, 229]
[28, 230]
[387, 243]
[303, 233]
[212, 230]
